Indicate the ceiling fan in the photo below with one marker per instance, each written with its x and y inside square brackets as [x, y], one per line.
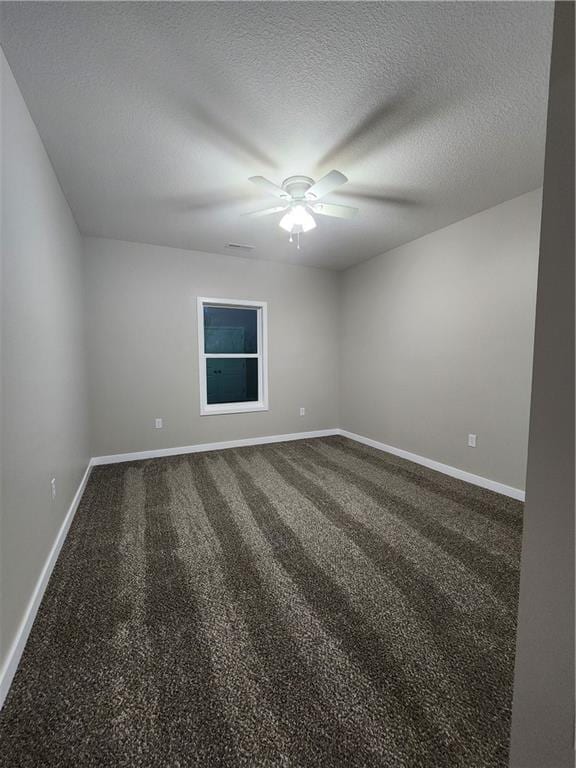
[301, 197]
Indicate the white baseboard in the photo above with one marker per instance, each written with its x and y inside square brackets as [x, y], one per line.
[446, 469]
[18, 644]
[468, 477]
[116, 458]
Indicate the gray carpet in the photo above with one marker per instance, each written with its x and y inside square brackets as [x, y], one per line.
[315, 603]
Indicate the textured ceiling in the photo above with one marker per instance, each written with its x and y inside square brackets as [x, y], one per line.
[155, 114]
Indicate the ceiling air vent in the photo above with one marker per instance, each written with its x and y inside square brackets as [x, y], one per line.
[240, 246]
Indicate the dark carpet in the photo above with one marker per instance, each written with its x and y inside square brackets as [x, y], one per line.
[315, 603]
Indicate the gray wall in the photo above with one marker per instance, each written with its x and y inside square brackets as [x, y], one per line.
[437, 342]
[143, 354]
[543, 709]
[43, 407]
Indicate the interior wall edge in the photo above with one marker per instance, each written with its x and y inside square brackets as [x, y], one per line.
[543, 707]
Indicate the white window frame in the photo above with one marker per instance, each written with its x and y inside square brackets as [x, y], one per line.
[261, 355]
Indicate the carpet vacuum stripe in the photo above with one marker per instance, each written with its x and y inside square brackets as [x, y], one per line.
[300, 605]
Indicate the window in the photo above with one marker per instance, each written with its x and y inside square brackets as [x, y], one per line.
[233, 356]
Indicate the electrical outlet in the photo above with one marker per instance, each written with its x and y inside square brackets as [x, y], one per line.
[472, 441]
[53, 488]
[158, 424]
[302, 411]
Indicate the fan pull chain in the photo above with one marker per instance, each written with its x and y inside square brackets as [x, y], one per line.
[291, 239]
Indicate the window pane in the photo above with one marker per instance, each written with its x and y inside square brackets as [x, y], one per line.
[230, 331]
[231, 380]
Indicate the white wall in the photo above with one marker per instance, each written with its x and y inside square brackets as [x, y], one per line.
[43, 405]
[143, 352]
[429, 342]
[437, 340]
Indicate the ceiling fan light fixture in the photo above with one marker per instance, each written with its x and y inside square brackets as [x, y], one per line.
[297, 220]
[301, 195]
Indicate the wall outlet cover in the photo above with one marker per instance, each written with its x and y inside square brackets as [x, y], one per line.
[472, 441]
[302, 411]
[158, 424]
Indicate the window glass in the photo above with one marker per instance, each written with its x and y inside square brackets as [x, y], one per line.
[229, 330]
[231, 380]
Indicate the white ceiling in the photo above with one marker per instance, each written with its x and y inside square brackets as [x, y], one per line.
[155, 114]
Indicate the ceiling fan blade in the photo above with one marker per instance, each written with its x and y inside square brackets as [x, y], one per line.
[267, 186]
[339, 211]
[266, 211]
[326, 184]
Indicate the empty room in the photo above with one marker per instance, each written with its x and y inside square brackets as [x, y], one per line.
[287, 384]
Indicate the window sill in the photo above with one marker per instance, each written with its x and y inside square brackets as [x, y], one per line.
[219, 410]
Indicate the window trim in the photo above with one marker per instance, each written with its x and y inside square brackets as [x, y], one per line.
[261, 355]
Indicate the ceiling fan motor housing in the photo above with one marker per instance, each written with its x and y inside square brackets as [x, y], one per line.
[297, 186]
